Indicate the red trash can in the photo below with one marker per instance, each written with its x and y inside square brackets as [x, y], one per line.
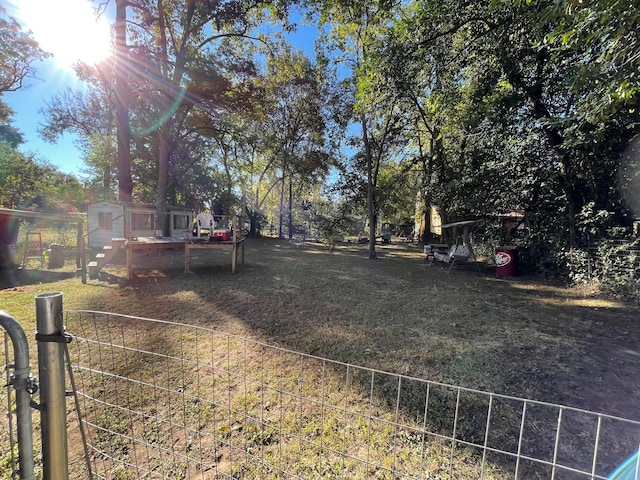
[506, 261]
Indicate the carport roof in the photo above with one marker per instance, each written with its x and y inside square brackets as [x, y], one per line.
[25, 214]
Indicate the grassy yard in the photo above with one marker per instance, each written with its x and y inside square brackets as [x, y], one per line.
[524, 337]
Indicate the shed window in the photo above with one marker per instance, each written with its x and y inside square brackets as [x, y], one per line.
[181, 222]
[142, 221]
[105, 220]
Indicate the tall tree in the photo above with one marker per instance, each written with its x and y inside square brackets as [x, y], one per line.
[521, 71]
[181, 68]
[90, 116]
[357, 30]
[185, 63]
[122, 97]
[18, 54]
[294, 124]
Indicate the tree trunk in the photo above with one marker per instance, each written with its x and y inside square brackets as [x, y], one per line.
[281, 219]
[125, 183]
[371, 212]
[290, 213]
[253, 223]
[574, 202]
[164, 151]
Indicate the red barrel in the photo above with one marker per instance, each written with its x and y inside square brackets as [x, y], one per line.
[506, 261]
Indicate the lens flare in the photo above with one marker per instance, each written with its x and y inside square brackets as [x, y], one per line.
[628, 470]
[69, 29]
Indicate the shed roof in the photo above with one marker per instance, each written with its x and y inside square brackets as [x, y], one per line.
[137, 205]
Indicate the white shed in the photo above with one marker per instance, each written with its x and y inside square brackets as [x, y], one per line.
[107, 220]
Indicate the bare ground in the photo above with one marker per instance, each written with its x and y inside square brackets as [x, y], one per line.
[520, 336]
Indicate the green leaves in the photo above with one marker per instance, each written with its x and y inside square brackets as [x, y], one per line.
[26, 183]
[18, 53]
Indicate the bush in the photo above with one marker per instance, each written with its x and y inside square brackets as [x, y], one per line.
[579, 265]
[613, 265]
[540, 245]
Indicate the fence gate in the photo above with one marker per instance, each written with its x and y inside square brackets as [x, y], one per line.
[20, 385]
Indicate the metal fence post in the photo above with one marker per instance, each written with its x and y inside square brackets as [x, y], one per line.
[20, 383]
[51, 339]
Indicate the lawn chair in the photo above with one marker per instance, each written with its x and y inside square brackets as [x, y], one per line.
[455, 254]
[204, 221]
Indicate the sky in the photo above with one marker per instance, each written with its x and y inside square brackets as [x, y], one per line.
[27, 103]
[57, 27]
[57, 31]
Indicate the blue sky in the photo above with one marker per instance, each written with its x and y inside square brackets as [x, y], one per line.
[69, 30]
[27, 103]
[53, 78]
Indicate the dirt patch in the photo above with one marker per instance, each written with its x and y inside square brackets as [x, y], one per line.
[521, 336]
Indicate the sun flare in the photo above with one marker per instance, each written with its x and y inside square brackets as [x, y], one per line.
[68, 29]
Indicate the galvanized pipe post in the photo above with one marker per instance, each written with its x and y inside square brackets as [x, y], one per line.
[53, 412]
[20, 382]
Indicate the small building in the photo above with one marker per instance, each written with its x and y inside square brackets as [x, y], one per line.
[107, 220]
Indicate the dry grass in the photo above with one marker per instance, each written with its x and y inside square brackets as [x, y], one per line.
[522, 337]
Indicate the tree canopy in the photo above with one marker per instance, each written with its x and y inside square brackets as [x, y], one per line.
[479, 109]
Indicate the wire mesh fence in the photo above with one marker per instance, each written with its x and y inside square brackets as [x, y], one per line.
[174, 401]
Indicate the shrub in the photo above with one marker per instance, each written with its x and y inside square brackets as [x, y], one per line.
[613, 265]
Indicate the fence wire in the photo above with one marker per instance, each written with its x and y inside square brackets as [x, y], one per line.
[174, 401]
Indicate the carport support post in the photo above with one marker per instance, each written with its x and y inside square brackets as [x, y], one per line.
[81, 254]
[51, 339]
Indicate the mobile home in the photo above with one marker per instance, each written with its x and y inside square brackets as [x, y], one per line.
[107, 220]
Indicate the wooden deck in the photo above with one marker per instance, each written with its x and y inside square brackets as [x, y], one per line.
[150, 243]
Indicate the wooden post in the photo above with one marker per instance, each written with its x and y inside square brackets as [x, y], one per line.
[234, 254]
[187, 255]
[129, 255]
[81, 254]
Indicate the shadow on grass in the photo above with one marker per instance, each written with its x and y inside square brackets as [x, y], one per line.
[520, 337]
[18, 277]
[400, 315]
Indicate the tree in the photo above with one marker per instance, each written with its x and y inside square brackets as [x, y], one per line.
[90, 116]
[8, 133]
[122, 98]
[555, 80]
[183, 63]
[293, 123]
[18, 178]
[357, 30]
[18, 52]
[508, 90]
[607, 32]
[29, 184]
[99, 154]
[183, 69]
